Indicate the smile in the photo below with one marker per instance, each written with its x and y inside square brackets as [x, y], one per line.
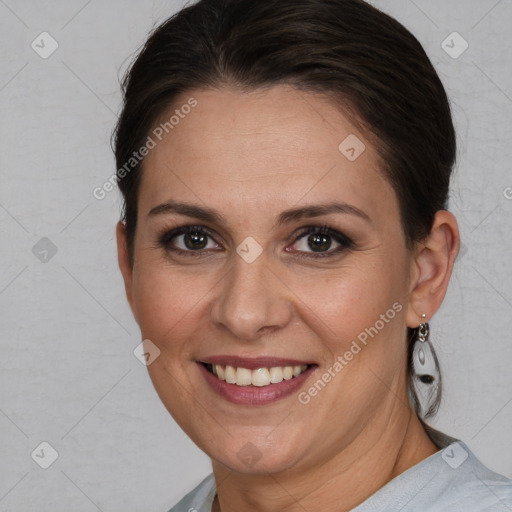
[259, 377]
[254, 381]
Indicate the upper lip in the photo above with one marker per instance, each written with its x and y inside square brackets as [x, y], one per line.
[252, 363]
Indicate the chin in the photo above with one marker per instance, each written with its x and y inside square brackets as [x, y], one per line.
[253, 461]
[255, 454]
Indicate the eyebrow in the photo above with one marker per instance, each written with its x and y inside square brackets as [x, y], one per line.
[286, 217]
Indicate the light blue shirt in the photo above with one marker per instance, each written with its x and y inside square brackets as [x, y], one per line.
[451, 480]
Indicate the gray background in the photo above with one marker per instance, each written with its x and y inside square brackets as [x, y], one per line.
[68, 375]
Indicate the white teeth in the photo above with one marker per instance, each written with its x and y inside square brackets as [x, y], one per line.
[230, 375]
[276, 374]
[259, 377]
[243, 376]
[287, 372]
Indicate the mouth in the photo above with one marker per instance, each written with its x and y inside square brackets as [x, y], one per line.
[258, 381]
[259, 377]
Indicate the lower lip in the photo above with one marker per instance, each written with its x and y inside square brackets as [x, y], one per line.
[255, 395]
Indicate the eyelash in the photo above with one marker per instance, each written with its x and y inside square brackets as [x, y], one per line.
[345, 242]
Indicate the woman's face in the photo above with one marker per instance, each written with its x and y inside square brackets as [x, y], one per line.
[244, 288]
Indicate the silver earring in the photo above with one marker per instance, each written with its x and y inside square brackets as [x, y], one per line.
[423, 358]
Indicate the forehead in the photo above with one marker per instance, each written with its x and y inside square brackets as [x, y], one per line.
[263, 151]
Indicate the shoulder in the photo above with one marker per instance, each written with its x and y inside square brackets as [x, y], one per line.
[200, 499]
[470, 484]
[454, 479]
[451, 480]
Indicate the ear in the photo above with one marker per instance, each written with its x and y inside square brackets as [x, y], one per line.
[431, 268]
[124, 264]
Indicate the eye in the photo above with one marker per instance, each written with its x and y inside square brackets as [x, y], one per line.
[187, 240]
[320, 240]
[193, 241]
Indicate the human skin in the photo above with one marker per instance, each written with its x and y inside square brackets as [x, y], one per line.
[250, 156]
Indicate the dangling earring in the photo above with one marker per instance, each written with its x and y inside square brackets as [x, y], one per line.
[423, 358]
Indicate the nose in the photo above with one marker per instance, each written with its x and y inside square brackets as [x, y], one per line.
[252, 300]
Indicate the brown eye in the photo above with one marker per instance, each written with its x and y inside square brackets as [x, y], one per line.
[318, 240]
[187, 240]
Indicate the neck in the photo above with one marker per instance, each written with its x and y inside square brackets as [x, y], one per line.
[338, 485]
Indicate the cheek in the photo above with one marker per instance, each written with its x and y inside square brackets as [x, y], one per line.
[350, 298]
[166, 300]
[168, 303]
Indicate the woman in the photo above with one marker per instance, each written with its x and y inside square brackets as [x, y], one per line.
[285, 170]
